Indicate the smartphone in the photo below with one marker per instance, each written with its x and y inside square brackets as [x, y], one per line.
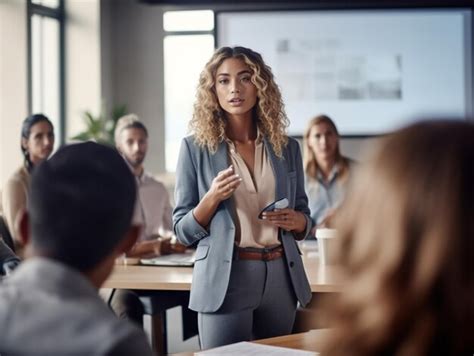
[279, 204]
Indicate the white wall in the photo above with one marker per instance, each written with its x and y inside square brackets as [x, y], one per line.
[83, 62]
[13, 83]
[133, 46]
[132, 70]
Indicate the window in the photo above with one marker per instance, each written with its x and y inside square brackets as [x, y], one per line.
[48, 3]
[188, 45]
[46, 61]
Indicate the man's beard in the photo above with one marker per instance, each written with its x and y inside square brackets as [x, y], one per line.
[136, 162]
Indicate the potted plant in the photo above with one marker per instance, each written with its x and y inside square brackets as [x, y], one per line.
[101, 128]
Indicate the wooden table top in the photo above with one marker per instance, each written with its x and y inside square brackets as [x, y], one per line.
[308, 341]
[322, 278]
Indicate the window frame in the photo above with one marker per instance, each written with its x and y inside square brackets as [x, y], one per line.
[59, 15]
[212, 32]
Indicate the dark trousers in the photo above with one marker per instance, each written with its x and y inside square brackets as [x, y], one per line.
[260, 303]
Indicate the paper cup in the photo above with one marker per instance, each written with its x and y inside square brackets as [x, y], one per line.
[326, 241]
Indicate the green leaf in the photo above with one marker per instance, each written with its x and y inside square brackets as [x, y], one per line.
[83, 136]
[101, 128]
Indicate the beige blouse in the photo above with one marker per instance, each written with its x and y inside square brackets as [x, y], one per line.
[15, 197]
[252, 195]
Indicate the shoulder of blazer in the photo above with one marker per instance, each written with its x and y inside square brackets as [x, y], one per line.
[292, 143]
[190, 140]
[193, 146]
[193, 149]
[291, 149]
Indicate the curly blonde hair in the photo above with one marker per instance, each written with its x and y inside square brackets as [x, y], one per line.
[208, 121]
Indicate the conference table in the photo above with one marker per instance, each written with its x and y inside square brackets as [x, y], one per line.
[311, 340]
[322, 278]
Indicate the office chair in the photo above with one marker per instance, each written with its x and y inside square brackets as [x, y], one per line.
[155, 305]
[8, 260]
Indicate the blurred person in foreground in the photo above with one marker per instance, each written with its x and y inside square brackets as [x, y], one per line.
[78, 221]
[407, 247]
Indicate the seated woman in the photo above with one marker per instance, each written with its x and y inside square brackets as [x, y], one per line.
[37, 142]
[326, 170]
[407, 248]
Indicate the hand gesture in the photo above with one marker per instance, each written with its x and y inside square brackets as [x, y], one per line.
[224, 184]
[287, 219]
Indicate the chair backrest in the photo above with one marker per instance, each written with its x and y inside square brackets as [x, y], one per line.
[5, 234]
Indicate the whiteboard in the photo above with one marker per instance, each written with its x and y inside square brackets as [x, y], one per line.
[372, 71]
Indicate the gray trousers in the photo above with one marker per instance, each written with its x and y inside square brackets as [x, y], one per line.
[260, 303]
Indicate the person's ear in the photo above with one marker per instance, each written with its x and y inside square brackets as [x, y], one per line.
[130, 239]
[22, 226]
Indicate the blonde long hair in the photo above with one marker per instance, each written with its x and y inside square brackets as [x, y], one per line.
[407, 247]
[208, 121]
[311, 166]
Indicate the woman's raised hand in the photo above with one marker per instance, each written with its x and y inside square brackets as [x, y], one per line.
[224, 184]
[222, 187]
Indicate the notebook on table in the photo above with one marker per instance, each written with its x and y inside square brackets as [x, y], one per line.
[174, 259]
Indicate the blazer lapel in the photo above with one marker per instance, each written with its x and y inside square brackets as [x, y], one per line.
[219, 162]
[279, 170]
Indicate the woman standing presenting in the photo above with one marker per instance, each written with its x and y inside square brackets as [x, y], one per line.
[37, 142]
[248, 274]
[326, 170]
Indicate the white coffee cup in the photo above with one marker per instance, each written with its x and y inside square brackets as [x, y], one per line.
[326, 241]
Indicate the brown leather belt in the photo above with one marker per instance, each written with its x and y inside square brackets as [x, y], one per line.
[260, 254]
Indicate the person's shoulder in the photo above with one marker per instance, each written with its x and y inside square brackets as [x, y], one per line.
[104, 331]
[193, 147]
[19, 176]
[9, 294]
[292, 140]
[351, 163]
[16, 184]
[292, 143]
[190, 139]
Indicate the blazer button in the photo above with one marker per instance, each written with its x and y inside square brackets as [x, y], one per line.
[292, 264]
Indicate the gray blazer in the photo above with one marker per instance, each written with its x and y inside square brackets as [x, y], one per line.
[195, 171]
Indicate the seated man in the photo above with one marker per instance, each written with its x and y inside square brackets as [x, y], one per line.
[78, 221]
[152, 208]
[153, 211]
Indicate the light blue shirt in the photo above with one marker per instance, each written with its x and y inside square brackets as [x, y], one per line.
[47, 308]
[324, 195]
